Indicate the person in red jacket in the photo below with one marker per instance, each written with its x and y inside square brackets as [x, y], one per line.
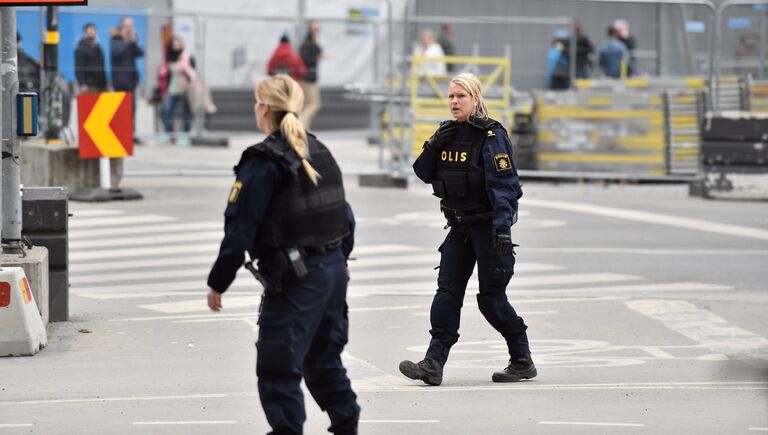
[285, 60]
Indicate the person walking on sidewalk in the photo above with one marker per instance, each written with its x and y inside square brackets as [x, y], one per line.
[311, 54]
[285, 60]
[292, 217]
[181, 78]
[469, 163]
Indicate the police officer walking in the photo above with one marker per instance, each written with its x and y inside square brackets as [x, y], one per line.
[292, 217]
[469, 163]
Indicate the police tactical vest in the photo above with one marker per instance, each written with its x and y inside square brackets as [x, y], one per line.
[304, 215]
[460, 176]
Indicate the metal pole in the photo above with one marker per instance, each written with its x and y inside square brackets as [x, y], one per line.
[762, 44]
[52, 94]
[198, 89]
[105, 173]
[11, 183]
[573, 53]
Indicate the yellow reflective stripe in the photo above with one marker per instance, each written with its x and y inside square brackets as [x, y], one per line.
[52, 38]
[602, 158]
[27, 110]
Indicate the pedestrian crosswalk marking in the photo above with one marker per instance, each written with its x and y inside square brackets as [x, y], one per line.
[702, 326]
[199, 304]
[141, 252]
[178, 227]
[119, 220]
[202, 236]
[516, 282]
[76, 214]
[204, 261]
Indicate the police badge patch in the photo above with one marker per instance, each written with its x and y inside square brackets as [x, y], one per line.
[502, 162]
[234, 194]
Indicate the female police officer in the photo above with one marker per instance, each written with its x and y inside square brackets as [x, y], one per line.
[292, 216]
[468, 161]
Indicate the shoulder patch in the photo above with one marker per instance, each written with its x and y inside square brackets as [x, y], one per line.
[234, 193]
[502, 162]
[491, 133]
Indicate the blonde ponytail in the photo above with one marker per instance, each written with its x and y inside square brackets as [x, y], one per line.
[283, 95]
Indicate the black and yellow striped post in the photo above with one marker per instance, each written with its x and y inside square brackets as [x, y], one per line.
[53, 98]
[26, 114]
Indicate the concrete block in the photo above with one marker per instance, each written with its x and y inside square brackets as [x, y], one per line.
[35, 264]
[21, 329]
[59, 165]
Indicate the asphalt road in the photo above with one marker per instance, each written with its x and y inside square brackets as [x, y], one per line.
[646, 311]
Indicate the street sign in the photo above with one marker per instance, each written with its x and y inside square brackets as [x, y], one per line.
[43, 3]
[105, 124]
[26, 113]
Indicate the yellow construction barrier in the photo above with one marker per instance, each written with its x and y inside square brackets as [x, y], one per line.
[429, 96]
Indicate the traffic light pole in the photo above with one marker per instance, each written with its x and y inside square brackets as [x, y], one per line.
[52, 94]
[11, 152]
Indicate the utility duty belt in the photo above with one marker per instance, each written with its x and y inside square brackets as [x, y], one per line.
[271, 270]
[468, 215]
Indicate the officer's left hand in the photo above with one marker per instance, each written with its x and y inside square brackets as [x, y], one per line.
[503, 243]
[214, 300]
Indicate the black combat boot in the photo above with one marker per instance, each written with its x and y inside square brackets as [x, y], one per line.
[517, 370]
[428, 370]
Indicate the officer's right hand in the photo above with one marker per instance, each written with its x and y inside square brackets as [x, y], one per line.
[214, 300]
[444, 134]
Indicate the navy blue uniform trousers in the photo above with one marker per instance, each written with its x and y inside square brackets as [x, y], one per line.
[465, 245]
[302, 332]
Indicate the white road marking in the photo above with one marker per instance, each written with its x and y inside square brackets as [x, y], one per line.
[400, 421]
[674, 252]
[537, 386]
[759, 429]
[157, 239]
[119, 220]
[640, 288]
[148, 295]
[205, 261]
[700, 325]
[142, 252]
[112, 399]
[200, 273]
[90, 233]
[434, 260]
[590, 423]
[15, 425]
[516, 282]
[653, 218]
[384, 249]
[172, 286]
[177, 423]
[200, 304]
[95, 213]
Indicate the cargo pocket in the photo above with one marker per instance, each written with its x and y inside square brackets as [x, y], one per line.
[275, 347]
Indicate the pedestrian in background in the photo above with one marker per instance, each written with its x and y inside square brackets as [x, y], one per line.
[311, 54]
[89, 62]
[124, 50]
[429, 48]
[447, 44]
[285, 60]
[584, 52]
[613, 55]
[558, 74]
[469, 163]
[292, 217]
[181, 77]
[622, 31]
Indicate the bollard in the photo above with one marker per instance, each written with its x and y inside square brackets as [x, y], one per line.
[21, 327]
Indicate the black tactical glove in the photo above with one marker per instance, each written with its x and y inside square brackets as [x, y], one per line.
[444, 134]
[503, 242]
